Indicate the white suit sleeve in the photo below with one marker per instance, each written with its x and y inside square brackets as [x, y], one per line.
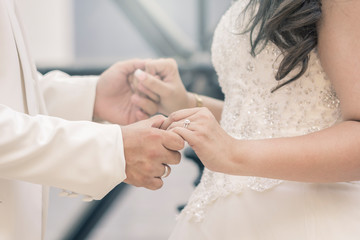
[80, 156]
[68, 97]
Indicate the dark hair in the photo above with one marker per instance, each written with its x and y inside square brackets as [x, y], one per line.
[291, 26]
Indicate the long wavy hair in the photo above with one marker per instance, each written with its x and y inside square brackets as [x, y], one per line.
[291, 26]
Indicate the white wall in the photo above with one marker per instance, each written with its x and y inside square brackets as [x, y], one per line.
[49, 27]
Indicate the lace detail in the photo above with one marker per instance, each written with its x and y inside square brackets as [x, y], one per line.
[251, 111]
[215, 185]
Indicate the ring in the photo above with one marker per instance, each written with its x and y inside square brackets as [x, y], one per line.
[166, 171]
[186, 123]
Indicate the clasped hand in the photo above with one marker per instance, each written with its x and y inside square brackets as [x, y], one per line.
[130, 92]
[148, 149]
[160, 82]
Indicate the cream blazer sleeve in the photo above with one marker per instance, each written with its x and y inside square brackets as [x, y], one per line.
[78, 155]
[68, 97]
[64, 150]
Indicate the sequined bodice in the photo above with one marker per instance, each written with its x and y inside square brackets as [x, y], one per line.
[251, 111]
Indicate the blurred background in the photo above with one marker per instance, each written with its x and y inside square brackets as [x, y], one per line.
[84, 37]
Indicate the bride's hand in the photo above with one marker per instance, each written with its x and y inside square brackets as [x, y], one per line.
[203, 133]
[162, 84]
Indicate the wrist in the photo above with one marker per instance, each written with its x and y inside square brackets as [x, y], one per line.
[125, 139]
[194, 100]
[239, 157]
[198, 100]
[96, 117]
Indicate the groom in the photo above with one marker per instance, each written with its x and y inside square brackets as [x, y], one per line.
[48, 137]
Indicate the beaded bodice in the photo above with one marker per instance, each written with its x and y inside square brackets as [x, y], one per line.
[251, 111]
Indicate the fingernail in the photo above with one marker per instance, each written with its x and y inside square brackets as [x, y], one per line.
[140, 74]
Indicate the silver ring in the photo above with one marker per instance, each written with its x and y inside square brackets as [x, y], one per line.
[166, 171]
[186, 123]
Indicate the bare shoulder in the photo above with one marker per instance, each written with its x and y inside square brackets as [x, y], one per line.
[340, 10]
[339, 50]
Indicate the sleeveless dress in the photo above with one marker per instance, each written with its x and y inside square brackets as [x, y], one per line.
[226, 207]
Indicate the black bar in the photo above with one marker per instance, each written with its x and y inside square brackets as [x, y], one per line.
[94, 214]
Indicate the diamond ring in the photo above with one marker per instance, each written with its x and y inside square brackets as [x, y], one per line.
[186, 123]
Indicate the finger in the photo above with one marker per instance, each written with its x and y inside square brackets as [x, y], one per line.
[155, 183]
[161, 67]
[150, 82]
[163, 171]
[148, 93]
[140, 115]
[172, 141]
[137, 63]
[132, 81]
[150, 67]
[129, 66]
[133, 64]
[146, 105]
[171, 157]
[178, 116]
[191, 125]
[167, 171]
[156, 121]
[157, 170]
[186, 134]
[139, 75]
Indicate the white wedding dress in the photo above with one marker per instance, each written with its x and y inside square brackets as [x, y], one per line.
[226, 207]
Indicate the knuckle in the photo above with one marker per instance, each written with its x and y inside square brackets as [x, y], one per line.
[173, 116]
[177, 159]
[138, 182]
[149, 63]
[198, 138]
[172, 62]
[150, 187]
[118, 64]
[159, 117]
[155, 184]
[152, 133]
[159, 184]
[148, 168]
[150, 183]
[153, 154]
[205, 113]
[181, 143]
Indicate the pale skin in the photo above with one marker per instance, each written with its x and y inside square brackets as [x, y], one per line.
[170, 93]
[330, 155]
[115, 100]
[147, 148]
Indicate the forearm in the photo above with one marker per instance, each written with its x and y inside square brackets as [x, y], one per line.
[330, 155]
[83, 157]
[213, 104]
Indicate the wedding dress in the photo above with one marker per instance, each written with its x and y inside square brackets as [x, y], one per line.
[224, 207]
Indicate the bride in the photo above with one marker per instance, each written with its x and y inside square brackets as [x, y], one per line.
[284, 161]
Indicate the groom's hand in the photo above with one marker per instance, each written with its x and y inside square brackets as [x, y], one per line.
[147, 148]
[116, 101]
